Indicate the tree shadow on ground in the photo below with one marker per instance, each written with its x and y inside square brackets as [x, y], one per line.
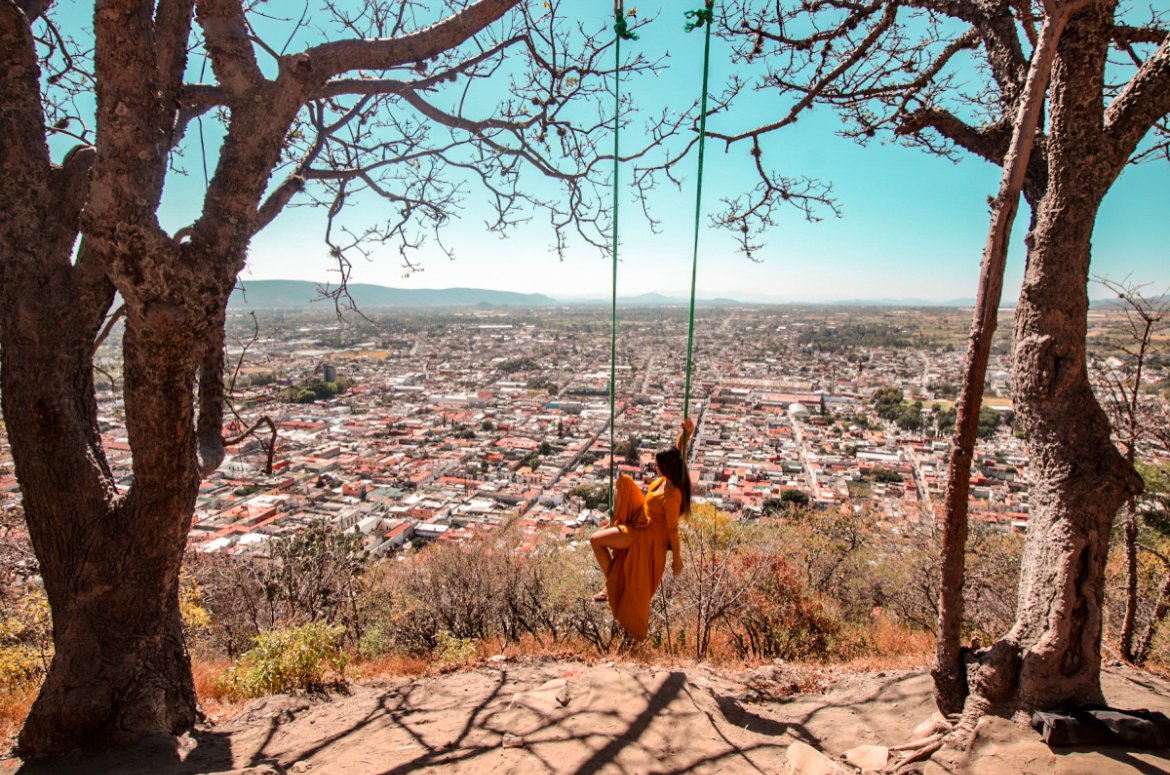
[614, 721]
[634, 724]
[199, 751]
[1122, 756]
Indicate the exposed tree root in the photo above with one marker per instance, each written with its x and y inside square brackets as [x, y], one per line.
[920, 755]
[930, 737]
[919, 743]
[962, 736]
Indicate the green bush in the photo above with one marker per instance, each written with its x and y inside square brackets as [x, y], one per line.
[375, 642]
[286, 660]
[452, 650]
[26, 644]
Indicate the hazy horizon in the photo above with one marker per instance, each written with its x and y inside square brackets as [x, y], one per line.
[1096, 293]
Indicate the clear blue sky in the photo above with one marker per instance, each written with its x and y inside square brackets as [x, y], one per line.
[913, 224]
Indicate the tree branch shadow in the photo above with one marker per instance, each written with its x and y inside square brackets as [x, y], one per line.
[617, 723]
[161, 754]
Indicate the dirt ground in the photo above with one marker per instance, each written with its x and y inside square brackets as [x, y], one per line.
[564, 717]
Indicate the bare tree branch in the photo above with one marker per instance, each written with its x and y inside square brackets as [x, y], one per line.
[112, 321]
[172, 29]
[228, 44]
[1140, 105]
[336, 57]
[33, 9]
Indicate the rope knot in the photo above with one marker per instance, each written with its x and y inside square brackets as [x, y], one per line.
[622, 27]
[701, 16]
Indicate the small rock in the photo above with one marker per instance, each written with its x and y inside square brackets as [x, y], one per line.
[498, 658]
[302, 767]
[803, 759]
[559, 688]
[546, 698]
[513, 741]
[868, 758]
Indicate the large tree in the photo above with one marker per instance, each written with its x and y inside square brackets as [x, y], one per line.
[948, 76]
[374, 102]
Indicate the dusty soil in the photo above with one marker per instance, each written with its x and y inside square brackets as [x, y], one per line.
[565, 717]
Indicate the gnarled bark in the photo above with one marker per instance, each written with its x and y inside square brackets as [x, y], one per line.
[1052, 655]
[950, 684]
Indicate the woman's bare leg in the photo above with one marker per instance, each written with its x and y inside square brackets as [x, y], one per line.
[605, 540]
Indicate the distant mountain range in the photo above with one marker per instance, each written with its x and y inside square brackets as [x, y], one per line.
[300, 294]
[1112, 302]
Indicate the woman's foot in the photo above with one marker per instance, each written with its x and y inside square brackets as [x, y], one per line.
[601, 597]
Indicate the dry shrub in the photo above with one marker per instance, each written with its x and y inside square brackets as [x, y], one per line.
[1152, 572]
[26, 648]
[777, 617]
[804, 588]
[993, 572]
[313, 576]
[439, 601]
[447, 591]
[26, 641]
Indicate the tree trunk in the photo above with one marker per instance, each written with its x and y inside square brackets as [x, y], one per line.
[950, 676]
[121, 669]
[1079, 479]
[1052, 655]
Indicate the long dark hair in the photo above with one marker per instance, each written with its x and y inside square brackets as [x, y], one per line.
[670, 463]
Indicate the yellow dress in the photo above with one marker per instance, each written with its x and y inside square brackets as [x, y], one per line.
[636, 572]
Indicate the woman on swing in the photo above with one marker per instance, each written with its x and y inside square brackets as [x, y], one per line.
[632, 550]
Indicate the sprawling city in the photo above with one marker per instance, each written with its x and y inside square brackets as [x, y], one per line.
[446, 424]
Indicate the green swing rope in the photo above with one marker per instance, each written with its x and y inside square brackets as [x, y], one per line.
[703, 17]
[621, 31]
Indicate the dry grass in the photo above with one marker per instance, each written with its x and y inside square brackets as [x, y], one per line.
[15, 702]
[395, 666]
[206, 673]
[891, 639]
[213, 700]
